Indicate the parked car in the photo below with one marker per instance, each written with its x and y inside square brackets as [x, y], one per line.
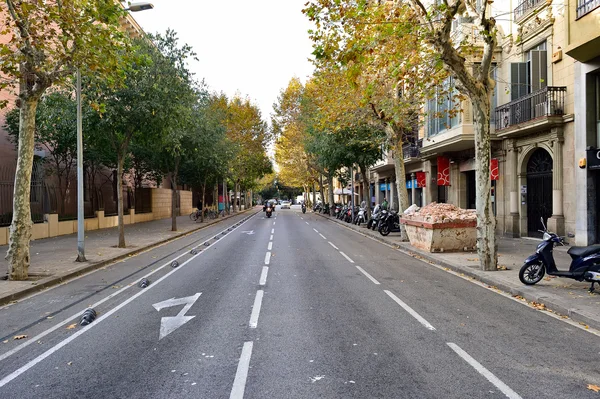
[285, 204]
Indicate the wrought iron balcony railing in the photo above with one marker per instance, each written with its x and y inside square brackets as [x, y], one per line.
[525, 6]
[586, 6]
[549, 101]
[411, 150]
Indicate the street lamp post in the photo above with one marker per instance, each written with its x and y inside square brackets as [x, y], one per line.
[80, 214]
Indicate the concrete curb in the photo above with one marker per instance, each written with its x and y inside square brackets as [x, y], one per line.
[84, 269]
[529, 293]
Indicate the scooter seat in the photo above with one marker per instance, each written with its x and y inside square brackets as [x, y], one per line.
[580, 252]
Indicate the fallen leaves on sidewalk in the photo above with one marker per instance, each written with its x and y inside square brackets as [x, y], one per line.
[72, 326]
[23, 336]
[538, 306]
[593, 387]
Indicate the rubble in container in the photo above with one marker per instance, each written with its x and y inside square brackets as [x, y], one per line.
[439, 213]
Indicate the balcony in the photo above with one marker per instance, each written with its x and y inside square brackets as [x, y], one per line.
[531, 112]
[585, 7]
[525, 6]
[412, 151]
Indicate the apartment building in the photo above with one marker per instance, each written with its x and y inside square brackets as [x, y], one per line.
[581, 29]
[545, 125]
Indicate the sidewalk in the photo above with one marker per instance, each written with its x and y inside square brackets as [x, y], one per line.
[564, 296]
[53, 259]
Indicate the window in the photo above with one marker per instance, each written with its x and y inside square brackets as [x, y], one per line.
[586, 6]
[442, 109]
[531, 75]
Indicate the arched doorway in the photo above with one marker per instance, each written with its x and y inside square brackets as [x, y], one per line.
[539, 191]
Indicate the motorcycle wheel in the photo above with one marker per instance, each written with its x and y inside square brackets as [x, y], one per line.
[369, 223]
[268, 215]
[384, 230]
[532, 273]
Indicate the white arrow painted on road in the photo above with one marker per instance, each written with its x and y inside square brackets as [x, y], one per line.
[170, 324]
[248, 232]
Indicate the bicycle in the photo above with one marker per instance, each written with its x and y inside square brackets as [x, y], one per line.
[210, 214]
[195, 215]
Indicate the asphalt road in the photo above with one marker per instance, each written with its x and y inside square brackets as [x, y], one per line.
[292, 306]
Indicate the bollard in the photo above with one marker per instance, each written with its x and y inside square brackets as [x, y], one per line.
[88, 316]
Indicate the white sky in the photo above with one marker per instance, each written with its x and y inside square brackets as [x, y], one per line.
[251, 48]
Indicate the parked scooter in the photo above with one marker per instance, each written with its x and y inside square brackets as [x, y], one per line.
[326, 208]
[361, 216]
[303, 207]
[390, 224]
[585, 262]
[374, 216]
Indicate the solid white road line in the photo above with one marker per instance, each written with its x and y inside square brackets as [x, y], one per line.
[272, 231]
[368, 275]
[316, 231]
[271, 238]
[484, 372]
[75, 316]
[239, 383]
[263, 276]
[270, 246]
[55, 348]
[256, 309]
[267, 258]
[410, 311]
[330, 243]
[347, 257]
[323, 236]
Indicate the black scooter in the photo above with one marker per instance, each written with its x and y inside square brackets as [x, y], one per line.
[585, 262]
[303, 208]
[269, 211]
[390, 223]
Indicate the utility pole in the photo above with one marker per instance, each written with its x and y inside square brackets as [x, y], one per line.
[80, 215]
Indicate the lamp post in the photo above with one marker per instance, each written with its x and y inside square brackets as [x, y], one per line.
[80, 213]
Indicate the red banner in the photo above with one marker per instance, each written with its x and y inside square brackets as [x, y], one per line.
[421, 180]
[443, 174]
[494, 173]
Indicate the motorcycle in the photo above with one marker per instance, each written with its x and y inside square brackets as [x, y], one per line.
[303, 208]
[374, 216]
[391, 223]
[585, 262]
[326, 209]
[361, 216]
[269, 211]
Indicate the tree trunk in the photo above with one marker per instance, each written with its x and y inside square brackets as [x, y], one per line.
[487, 246]
[321, 188]
[174, 194]
[235, 195]
[120, 160]
[366, 189]
[314, 194]
[20, 228]
[203, 199]
[396, 139]
[331, 201]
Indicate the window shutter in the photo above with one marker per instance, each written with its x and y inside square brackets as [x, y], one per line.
[539, 70]
[519, 80]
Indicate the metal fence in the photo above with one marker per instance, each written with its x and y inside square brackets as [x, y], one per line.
[549, 101]
[525, 6]
[586, 6]
[143, 200]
